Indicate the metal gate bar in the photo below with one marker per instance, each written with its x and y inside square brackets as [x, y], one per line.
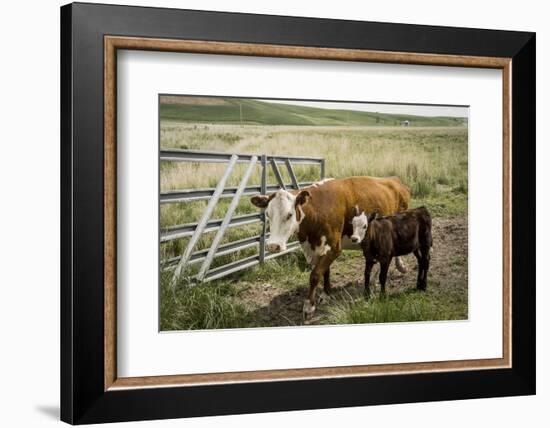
[277, 173]
[291, 174]
[203, 221]
[229, 268]
[223, 250]
[217, 157]
[263, 191]
[219, 234]
[185, 230]
[189, 195]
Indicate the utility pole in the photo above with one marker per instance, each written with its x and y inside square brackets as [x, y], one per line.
[241, 113]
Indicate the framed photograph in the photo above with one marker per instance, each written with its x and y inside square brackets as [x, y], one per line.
[266, 213]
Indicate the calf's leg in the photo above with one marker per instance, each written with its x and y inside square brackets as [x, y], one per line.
[425, 267]
[368, 269]
[384, 266]
[419, 258]
[423, 257]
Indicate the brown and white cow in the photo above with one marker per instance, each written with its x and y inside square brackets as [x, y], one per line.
[321, 215]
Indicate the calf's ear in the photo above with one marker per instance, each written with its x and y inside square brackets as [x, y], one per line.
[303, 197]
[261, 201]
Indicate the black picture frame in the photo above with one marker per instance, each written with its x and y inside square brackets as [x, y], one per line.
[83, 398]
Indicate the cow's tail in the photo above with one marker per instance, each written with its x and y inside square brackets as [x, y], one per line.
[403, 195]
[404, 198]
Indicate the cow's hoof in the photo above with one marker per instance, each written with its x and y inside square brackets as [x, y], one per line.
[308, 310]
[323, 297]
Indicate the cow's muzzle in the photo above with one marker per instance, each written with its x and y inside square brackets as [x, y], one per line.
[274, 248]
[354, 238]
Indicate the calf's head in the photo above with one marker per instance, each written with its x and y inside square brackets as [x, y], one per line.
[360, 223]
[284, 213]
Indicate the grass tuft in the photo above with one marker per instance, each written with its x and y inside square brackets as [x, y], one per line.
[206, 306]
[411, 305]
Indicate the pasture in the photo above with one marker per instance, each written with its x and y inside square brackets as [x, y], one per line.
[431, 160]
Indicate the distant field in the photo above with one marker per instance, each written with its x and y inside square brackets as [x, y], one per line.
[255, 112]
[432, 161]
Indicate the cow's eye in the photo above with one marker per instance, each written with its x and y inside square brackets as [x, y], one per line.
[364, 227]
[289, 215]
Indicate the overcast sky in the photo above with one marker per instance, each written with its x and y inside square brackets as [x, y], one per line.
[418, 110]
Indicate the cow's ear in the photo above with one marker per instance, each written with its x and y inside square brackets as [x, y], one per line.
[372, 216]
[356, 211]
[303, 197]
[262, 201]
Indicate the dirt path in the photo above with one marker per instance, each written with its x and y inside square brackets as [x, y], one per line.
[274, 306]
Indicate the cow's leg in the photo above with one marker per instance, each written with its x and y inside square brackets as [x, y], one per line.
[335, 251]
[314, 278]
[327, 288]
[384, 266]
[369, 263]
[309, 303]
[326, 281]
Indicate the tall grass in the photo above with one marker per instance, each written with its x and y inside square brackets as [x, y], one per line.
[208, 306]
[426, 159]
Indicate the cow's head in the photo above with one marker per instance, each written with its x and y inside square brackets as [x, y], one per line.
[360, 223]
[284, 213]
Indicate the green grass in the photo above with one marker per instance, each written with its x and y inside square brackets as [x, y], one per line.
[411, 305]
[205, 306]
[286, 271]
[216, 305]
[446, 204]
[249, 111]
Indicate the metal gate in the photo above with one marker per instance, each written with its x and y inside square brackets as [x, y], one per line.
[194, 231]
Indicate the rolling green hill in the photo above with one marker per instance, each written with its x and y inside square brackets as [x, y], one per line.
[248, 111]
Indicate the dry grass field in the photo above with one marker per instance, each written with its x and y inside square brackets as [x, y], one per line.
[432, 161]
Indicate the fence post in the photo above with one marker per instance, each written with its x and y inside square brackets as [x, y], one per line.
[230, 210]
[322, 169]
[263, 191]
[203, 222]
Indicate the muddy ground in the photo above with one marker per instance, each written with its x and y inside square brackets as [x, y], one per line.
[273, 305]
